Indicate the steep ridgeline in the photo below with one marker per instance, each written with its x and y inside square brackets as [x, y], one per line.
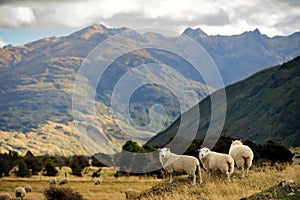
[262, 107]
[240, 56]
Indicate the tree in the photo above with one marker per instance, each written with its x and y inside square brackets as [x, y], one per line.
[77, 163]
[132, 147]
[49, 169]
[4, 167]
[23, 170]
[32, 163]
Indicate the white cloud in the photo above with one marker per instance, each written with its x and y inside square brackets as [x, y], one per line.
[215, 17]
[2, 43]
[11, 16]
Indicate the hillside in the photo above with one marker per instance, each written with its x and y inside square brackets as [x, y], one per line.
[37, 79]
[262, 107]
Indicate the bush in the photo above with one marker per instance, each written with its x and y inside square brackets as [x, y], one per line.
[61, 193]
[49, 169]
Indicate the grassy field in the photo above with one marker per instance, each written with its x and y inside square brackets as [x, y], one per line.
[112, 188]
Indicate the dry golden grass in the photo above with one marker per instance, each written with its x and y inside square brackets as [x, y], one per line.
[112, 188]
[216, 188]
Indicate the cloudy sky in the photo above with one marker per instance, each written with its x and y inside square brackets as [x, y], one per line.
[22, 21]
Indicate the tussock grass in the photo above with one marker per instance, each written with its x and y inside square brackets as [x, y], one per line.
[214, 188]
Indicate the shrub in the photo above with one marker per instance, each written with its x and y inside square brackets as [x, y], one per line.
[61, 193]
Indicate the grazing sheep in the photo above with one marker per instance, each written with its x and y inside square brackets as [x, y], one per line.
[20, 193]
[28, 188]
[213, 161]
[179, 163]
[63, 181]
[98, 182]
[242, 155]
[133, 194]
[5, 196]
[52, 181]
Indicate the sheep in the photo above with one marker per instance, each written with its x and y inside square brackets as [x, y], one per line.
[242, 155]
[63, 181]
[5, 196]
[179, 163]
[133, 194]
[20, 193]
[28, 188]
[213, 161]
[52, 181]
[98, 182]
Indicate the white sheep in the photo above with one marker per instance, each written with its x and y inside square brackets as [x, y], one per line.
[133, 194]
[213, 161]
[242, 155]
[28, 188]
[5, 196]
[52, 181]
[63, 181]
[20, 193]
[98, 182]
[179, 163]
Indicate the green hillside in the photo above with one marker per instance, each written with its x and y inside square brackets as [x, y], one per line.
[263, 107]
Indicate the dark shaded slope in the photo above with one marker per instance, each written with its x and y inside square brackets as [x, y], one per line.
[262, 107]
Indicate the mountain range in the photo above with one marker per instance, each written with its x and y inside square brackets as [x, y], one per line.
[263, 107]
[36, 81]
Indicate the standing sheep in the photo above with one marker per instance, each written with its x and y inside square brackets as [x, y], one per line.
[179, 163]
[213, 161]
[52, 181]
[5, 196]
[242, 155]
[98, 182]
[64, 180]
[28, 188]
[20, 193]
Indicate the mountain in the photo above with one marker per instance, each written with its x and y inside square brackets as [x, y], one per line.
[262, 107]
[36, 88]
[240, 56]
[37, 79]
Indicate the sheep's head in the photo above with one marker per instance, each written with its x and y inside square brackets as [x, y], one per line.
[164, 151]
[203, 152]
[236, 142]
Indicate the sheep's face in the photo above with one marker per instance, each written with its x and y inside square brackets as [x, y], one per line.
[164, 151]
[203, 152]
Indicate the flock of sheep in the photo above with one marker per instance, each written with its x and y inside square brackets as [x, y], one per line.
[20, 193]
[239, 154]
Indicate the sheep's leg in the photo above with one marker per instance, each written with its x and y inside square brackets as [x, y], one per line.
[247, 170]
[171, 178]
[194, 179]
[200, 176]
[243, 172]
[228, 177]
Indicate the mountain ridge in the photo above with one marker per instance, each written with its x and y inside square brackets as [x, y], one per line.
[260, 108]
[36, 80]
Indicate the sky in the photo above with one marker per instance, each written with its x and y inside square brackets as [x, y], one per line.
[23, 21]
